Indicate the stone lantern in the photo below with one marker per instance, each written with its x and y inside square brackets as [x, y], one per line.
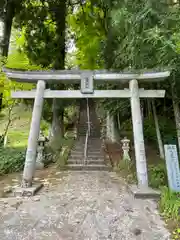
[40, 151]
[125, 148]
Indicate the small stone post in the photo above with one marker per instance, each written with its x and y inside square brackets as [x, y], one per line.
[31, 152]
[125, 148]
[141, 165]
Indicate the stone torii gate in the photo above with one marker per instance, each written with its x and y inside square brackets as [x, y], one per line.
[87, 79]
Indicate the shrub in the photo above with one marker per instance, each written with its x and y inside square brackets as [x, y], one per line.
[62, 157]
[127, 170]
[11, 160]
[167, 128]
[157, 175]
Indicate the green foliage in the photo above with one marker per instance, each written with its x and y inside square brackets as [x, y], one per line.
[170, 204]
[176, 234]
[145, 34]
[11, 160]
[44, 127]
[65, 151]
[157, 175]
[43, 26]
[87, 25]
[19, 60]
[127, 170]
[167, 128]
[59, 152]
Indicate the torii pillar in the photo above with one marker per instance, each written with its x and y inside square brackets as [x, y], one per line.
[30, 161]
[142, 190]
[141, 165]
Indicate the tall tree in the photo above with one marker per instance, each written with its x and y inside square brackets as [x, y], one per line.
[44, 25]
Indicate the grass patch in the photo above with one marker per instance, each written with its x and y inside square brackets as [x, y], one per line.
[11, 160]
[169, 206]
[19, 128]
[12, 157]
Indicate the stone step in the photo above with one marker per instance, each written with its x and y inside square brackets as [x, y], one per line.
[101, 157]
[76, 156]
[88, 155]
[96, 157]
[92, 167]
[80, 158]
[90, 151]
[95, 151]
[89, 143]
[94, 133]
[88, 162]
[85, 126]
[81, 153]
[90, 148]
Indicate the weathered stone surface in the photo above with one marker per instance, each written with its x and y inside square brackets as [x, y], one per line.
[82, 206]
[20, 191]
[145, 192]
[8, 189]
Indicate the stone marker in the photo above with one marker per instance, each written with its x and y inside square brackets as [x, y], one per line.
[172, 165]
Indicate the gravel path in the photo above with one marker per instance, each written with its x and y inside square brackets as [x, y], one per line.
[81, 206]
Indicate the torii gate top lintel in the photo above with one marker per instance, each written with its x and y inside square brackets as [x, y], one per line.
[70, 76]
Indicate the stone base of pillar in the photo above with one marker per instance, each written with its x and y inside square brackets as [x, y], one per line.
[27, 192]
[144, 192]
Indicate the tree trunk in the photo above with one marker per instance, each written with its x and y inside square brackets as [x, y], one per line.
[56, 133]
[142, 110]
[177, 119]
[1, 101]
[58, 11]
[118, 120]
[158, 133]
[176, 108]
[61, 120]
[148, 108]
[10, 109]
[8, 20]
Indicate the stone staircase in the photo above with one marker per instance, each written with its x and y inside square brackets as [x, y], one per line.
[95, 156]
[83, 125]
[95, 160]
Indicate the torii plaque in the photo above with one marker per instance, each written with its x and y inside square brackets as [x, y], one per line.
[87, 83]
